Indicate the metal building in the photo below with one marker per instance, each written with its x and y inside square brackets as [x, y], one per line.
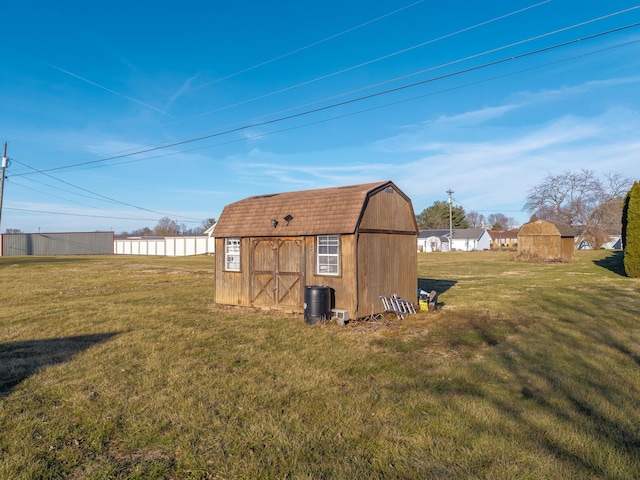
[77, 243]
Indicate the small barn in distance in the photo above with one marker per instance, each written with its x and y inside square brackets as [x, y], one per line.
[542, 240]
[359, 240]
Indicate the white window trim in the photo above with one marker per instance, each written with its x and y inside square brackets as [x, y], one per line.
[322, 268]
[232, 254]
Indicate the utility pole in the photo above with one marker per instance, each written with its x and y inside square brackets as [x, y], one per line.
[4, 166]
[450, 192]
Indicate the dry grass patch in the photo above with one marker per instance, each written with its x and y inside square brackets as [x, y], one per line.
[122, 367]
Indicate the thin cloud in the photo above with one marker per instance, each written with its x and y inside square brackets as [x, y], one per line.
[181, 91]
[486, 174]
[97, 85]
[579, 89]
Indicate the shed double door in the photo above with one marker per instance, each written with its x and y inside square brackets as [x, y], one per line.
[277, 272]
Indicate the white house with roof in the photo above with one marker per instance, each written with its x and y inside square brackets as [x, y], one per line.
[464, 239]
[470, 239]
[433, 241]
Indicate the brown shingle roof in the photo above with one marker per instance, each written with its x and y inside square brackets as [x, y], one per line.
[334, 210]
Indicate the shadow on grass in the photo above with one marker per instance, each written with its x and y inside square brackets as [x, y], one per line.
[11, 261]
[587, 404]
[562, 382]
[440, 286]
[613, 262]
[571, 373]
[20, 360]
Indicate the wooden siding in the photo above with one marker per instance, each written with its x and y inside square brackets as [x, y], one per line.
[344, 285]
[377, 230]
[567, 248]
[276, 272]
[372, 264]
[390, 211]
[231, 288]
[388, 265]
[542, 240]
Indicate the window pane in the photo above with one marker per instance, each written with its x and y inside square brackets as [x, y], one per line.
[328, 255]
[232, 254]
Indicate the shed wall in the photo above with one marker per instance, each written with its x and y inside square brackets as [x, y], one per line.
[542, 240]
[567, 248]
[539, 246]
[344, 285]
[388, 264]
[78, 243]
[389, 211]
[372, 264]
[232, 288]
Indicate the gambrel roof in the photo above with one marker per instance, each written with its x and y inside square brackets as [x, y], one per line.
[336, 210]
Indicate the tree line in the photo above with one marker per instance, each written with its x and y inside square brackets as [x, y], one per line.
[436, 217]
[167, 227]
[591, 205]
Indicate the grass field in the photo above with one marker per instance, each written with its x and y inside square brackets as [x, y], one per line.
[123, 367]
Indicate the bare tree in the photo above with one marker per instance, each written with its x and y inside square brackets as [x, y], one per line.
[207, 222]
[580, 199]
[166, 227]
[475, 219]
[499, 221]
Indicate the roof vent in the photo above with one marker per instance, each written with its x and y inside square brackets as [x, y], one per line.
[266, 196]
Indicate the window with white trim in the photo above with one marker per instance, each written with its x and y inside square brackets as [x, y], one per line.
[328, 256]
[232, 254]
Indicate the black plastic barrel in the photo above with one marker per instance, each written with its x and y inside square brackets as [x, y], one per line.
[317, 303]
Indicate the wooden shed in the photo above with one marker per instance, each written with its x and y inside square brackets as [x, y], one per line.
[542, 240]
[359, 240]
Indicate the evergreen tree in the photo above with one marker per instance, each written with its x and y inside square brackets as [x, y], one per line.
[437, 217]
[631, 231]
[625, 209]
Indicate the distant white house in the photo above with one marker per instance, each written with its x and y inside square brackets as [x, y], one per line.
[433, 241]
[464, 239]
[614, 243]
[209, 231]
[470, 239]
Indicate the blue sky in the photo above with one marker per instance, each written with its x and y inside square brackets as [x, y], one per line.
[118, 114]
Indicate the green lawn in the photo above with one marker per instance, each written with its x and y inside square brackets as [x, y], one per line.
[123, 367]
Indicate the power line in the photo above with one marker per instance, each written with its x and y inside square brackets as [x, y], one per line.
[313, 44]
[361, 98]
[61, 198]
[352, 113]
[466, 29]
[363, 64]
[100, 195]
[127, 153]
[266, 62]
[83, 215]
[377, 107]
